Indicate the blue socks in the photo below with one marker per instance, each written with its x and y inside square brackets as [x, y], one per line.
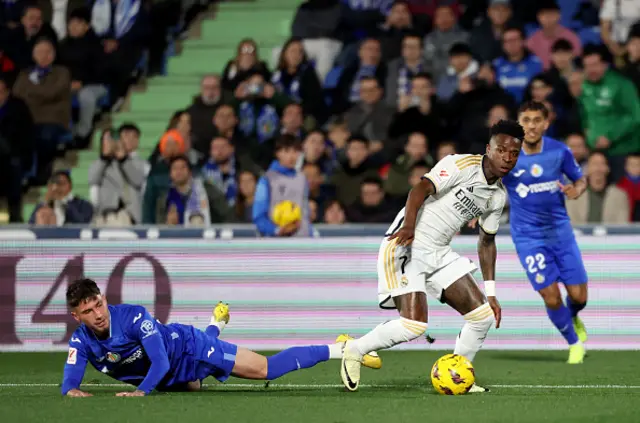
[213, 331]
[295, 358]
[561, 318]
[575, 308]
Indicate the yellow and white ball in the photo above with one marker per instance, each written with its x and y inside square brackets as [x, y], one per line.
[452, 374]
[286, 212]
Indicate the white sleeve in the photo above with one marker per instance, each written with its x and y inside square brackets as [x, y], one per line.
[608, 10]
[490, 220]
[444, 175]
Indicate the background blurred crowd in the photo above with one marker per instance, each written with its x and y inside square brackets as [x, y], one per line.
[361, 101]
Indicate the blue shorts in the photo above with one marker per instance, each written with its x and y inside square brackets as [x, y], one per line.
[214, 357]
[549, 263]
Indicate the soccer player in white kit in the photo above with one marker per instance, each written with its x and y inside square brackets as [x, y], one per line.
[415, 257]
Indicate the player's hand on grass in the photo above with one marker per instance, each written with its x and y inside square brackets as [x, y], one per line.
[569, 190]
[497, 310]
[131, 394]
[404, 236]
[78, 393]
[289, 229]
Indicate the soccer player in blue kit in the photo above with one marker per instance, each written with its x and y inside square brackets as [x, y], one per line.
[540, 226]
[127, 344]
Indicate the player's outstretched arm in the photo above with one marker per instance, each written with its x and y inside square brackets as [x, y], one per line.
[74, 369]
[416, 198]
[487, 253]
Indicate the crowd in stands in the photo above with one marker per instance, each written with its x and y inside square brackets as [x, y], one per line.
[362, 100]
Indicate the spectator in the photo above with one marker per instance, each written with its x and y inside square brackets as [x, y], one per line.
[461, 66]
[391, 33]
[630, 184]
[247, 183]
[203, 110]
[316, 150]
[319, 192]
[370, 116]
[541, 41]
[190, 201]
[616, 20]
[420, 112]
[153, 205]
[467, 109]
[445, 149]
[562, 66]
[280, 183]
[599, 203]
[245, 65]
[16, 147]
[418, 170]
[486, 39]
[46, 89]
[445, 34]
[20, 40]
[291, 124]
[118, 179]
[353, 170]
[541, 89]
[631, 68]
[515, 68]
[402, 70]
[334, 214]
[313, 211]
[415, 150]
[123, 26]
[129, 134]
[223, 166]
[81, 53]
[316, 23]
[66, 207]
[225, 123]
[180, 122]
[347, 90]
[371, 206]
[578, 146]
[611, 111]
[296, 78]
[259, 108]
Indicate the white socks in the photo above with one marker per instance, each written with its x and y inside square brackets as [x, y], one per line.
[389, 334]
[220, 324]
[474, 331]
[335, 351]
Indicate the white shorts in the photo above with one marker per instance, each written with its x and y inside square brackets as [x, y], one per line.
[402, 270]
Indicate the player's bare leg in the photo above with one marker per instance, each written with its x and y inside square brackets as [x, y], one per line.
[411, 325]
[561, 317]
[465, 297]
[576, 301]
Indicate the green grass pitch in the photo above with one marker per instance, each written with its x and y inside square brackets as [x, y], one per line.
[527, 387]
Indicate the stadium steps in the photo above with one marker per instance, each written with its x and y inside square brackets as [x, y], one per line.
[266, 21]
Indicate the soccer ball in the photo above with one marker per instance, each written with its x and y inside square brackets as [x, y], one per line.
[286, 212]
[452, 374]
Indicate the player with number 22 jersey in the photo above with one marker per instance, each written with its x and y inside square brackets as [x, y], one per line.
[540, 226]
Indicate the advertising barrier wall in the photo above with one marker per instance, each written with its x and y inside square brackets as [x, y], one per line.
[286, 292]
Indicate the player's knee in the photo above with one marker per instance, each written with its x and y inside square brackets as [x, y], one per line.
[579, 296]
[551, 297]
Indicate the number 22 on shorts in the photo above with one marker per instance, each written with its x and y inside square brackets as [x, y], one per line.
[535, 262]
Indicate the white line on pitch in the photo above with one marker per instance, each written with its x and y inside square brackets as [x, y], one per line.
[321, 386]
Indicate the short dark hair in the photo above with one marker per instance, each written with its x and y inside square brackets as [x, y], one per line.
[561, 45]
[180, 157]
[413, 34]
[61, 173]
[358, 138]
[373, 180]
[81, 290]
[459, 49]
[369, 78]
[534, 106]
[420, 163]
[515, 28]
[508, 127]
[423, 75]
[129, 126]
[591, 49]
[285, 141]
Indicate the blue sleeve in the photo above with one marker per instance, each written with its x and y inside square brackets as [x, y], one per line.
[261, 209]
[75, 366]
[570, 166]
[145, 330]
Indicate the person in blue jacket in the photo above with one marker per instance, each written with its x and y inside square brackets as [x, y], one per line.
[517, 66]
[283, 182]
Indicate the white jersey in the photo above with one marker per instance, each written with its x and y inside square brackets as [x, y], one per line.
[462, 194]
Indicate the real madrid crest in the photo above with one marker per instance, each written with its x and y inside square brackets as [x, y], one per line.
[404, 281]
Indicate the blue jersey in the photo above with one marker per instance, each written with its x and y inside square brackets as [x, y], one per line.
[540, 227]
[514, 77]
[145, 353]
